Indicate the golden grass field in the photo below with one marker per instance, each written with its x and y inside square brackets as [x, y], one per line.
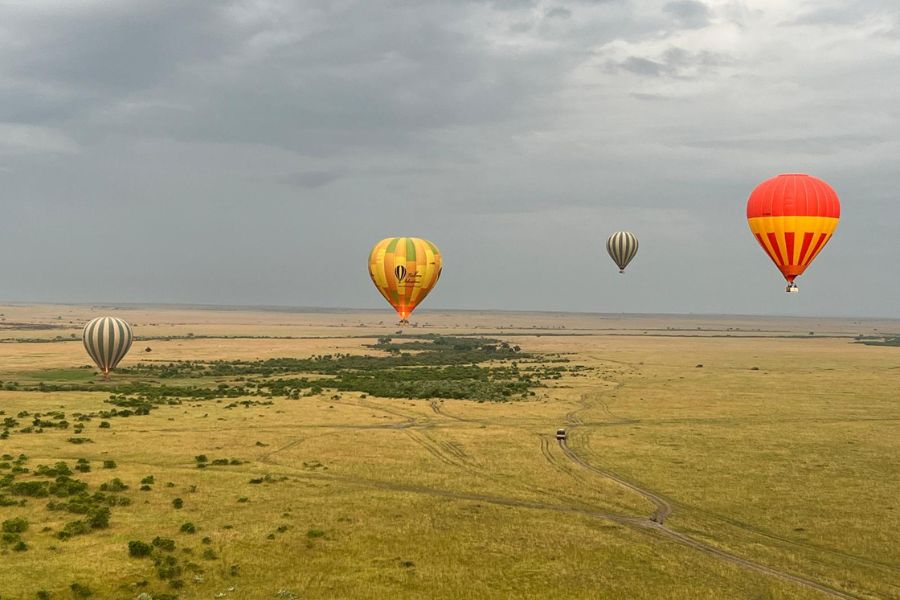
[782, 449]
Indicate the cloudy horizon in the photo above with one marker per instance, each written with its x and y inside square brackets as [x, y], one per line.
[252, 152]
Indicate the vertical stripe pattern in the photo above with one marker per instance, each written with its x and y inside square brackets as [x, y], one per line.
[107, 340]
[622, 247]
[792, 217]
[404, 270]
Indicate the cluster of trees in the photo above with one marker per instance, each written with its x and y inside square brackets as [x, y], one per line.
[65, 494]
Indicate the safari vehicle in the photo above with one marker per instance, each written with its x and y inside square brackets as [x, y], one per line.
[561, 434]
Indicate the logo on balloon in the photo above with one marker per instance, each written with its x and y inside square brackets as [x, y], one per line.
[400, 273]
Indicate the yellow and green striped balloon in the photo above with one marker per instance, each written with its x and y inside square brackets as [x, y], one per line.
[107, 340]
[404, 270]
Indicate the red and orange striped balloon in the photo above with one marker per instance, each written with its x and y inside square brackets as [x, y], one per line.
[404, 270]
[793, 216]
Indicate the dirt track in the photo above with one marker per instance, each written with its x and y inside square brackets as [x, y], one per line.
[653, 525]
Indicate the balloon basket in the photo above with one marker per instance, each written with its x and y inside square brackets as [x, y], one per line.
[792, 289]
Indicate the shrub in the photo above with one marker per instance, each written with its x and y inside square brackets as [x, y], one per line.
[116, 485]
[188, 528]
[148, 480]
[80, 440]
[65, 486]
[201, 458]
[138, 549]
[98, 518]
[56, 470]
[81, 591]
[73, 528]
[17, 525]
[20, 546]
[33, 489]
[206, 540]
[104, 425]
[177, 503]
[315, 533]
[164, 544]
[9, 538]
[209, 554]
[109, 464]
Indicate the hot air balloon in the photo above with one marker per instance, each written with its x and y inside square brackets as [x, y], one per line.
[793, 216]
[622, 246]
[404, 270]
[107, 340]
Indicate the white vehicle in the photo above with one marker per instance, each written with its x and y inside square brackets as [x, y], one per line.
[561, 434]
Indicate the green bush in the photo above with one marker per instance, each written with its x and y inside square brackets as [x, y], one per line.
[109, 464]
[164, 544]
[81, 591]
[17, 525]
[188, 528]
[177, 503]
[115, 485]
[20, 546]
[137, 549]
[33, 489]
[98, 518]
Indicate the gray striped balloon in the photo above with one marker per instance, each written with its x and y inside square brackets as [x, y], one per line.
[107, 340]
[622, 246]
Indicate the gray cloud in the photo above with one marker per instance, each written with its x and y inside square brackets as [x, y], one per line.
[558, 12]
[688, 13]
[674, 62]
[214, 152]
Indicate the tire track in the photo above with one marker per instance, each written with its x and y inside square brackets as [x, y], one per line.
[556, 463]
[664, 509]
[617, 420]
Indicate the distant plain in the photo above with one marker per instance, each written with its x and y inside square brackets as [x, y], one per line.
[773, 440]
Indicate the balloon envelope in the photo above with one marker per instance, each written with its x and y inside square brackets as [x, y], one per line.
[622, 247]
[107, 340]
[792, 217]
[404, 270]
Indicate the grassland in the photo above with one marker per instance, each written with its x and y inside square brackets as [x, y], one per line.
[337, 464]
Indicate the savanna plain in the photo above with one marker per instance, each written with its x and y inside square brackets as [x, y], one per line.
[253, 453]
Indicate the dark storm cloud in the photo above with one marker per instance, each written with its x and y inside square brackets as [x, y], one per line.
[222, 149]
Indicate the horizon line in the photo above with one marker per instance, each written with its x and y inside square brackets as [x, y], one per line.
[345, 309]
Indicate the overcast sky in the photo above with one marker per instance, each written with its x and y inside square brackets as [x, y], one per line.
[251, 152]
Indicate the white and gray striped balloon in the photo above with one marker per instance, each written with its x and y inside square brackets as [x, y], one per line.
[622, 246]
[107, 340]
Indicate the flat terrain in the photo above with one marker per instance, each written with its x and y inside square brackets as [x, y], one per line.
[708, 457]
